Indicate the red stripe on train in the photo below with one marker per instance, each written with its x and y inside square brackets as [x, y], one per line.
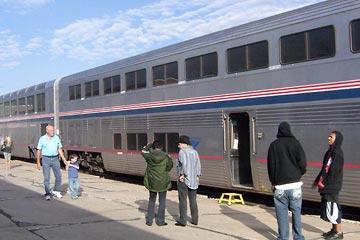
[319, 164]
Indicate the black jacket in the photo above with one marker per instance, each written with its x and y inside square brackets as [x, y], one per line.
[332, 180]
[286, 158]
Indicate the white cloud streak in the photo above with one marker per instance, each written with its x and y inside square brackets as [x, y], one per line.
[168, 21]
[11, 49]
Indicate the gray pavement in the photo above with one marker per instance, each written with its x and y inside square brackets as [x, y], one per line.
[109, 209]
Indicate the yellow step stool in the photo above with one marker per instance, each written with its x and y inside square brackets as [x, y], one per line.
[231, 198]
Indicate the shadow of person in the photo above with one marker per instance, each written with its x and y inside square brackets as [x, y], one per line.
[305, 226]
[250, 221]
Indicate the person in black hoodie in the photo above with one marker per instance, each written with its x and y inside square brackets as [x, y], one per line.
[329, 181]
[286, 165]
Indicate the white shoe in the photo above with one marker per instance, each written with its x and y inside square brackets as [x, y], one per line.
[47, 198]
[57, 194]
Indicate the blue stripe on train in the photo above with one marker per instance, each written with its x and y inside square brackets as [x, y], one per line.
[293, 98]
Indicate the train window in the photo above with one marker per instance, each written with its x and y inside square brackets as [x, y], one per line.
[306, 46]
[201, 66]
[75, 92]
[14, 108]
[248, 57]
[136, 141]
[165, 74]
[40, 102]
[22, 106]
[135, 79]
[168, 140]
[30, 104]
[7, 109]
[131, 141]
[142, 141]
[1, 109]
[112, 84]
[161, 137]
[209, 65]
[117, 140]
[92, 88]
[355, 35]
[321, 43]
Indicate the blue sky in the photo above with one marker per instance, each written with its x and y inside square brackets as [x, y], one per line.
[41, 40]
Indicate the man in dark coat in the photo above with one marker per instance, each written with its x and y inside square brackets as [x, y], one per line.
[157, 180]
[286, 165]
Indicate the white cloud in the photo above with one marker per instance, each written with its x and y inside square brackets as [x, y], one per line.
[152, 26]
[25, 3]
[12, 50]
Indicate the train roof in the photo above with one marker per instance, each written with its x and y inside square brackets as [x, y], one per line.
[295, 16]
[310, 12]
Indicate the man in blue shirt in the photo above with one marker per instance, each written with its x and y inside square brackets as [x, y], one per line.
[50, 148]
[189, 171]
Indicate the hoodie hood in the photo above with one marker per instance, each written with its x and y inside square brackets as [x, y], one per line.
[284, 130]
[338, 141]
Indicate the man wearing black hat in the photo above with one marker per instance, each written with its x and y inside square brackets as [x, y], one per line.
[189, 171]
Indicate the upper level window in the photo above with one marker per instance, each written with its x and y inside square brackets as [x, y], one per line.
[203, 66]
[248, 57]
[7, 108]
[135, 79]
[1, 109]
[75, 92]
[92, 88]
[40, 102]
[165, 74]
[355, 35]
[30, 103]
[168, 141]
[14, 108]
[112, 84]
[22, 106]
[306, 46]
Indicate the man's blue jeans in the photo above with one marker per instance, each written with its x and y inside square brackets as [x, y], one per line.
[53, 163]
[74, 186]
[285, 200]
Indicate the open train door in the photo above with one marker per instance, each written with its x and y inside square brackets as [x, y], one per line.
[239, 148]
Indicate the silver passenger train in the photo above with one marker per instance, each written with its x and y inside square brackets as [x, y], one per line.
[227, 90]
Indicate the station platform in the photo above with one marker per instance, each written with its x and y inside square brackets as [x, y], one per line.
[109, 209]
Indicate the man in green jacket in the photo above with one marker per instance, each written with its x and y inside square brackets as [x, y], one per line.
[156, 180]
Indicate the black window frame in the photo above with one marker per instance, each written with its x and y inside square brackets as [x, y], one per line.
[40, 102]
[1, 109]
[117, 141]
[114, 83]
[136, 79]
[166, 78]
[75, 92]
[7, 109]
[306, 53]
[32, 109]
[139, 139]
[168, 140]
[22, 106]
[14, 107]
[353, 37]
[195, 67]
[241, 58]
[92, 88]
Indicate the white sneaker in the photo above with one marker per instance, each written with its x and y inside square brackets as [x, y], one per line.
[47, 198]
[57, 194]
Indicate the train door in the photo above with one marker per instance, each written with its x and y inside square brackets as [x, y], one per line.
[239, 152]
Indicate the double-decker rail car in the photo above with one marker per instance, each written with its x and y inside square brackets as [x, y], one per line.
[227, 90]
